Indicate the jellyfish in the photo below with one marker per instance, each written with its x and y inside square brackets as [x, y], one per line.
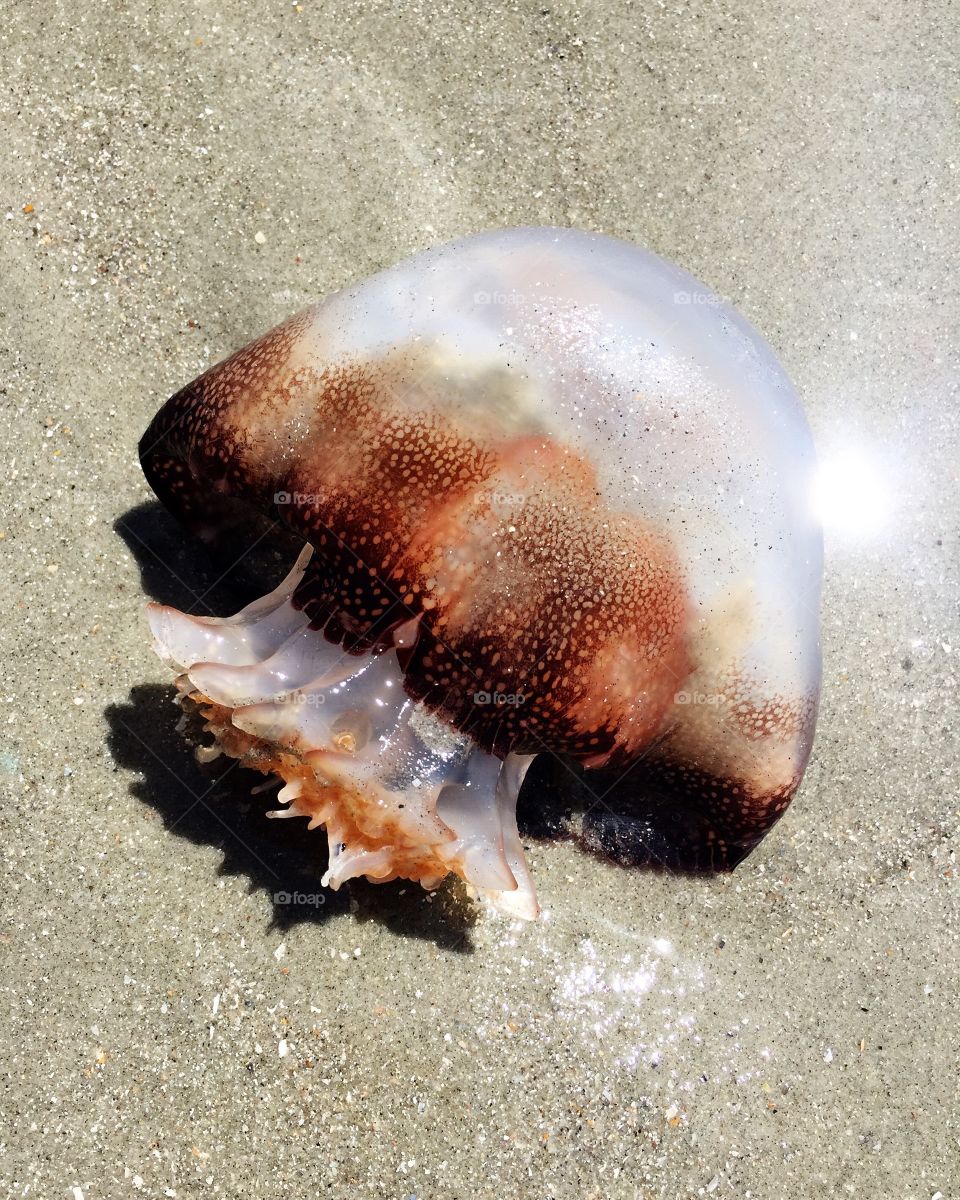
[552, 499]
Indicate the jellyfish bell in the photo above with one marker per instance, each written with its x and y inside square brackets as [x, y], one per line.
[554, 502]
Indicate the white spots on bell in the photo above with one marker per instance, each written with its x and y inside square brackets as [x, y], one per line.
[663, 946]
[853, 493]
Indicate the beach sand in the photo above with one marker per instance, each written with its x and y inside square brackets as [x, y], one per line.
[176, 180]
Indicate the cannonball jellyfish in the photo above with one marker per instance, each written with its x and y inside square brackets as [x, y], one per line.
[553, 502]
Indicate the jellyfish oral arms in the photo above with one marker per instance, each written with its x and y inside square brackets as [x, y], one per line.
[553, 502]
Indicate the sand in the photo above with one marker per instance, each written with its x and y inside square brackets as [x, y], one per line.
[175, 180]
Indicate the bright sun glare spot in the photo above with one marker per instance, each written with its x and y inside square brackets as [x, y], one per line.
[852, 496]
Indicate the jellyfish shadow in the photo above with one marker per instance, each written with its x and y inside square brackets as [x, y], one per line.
[213, 804]
[208, 578]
